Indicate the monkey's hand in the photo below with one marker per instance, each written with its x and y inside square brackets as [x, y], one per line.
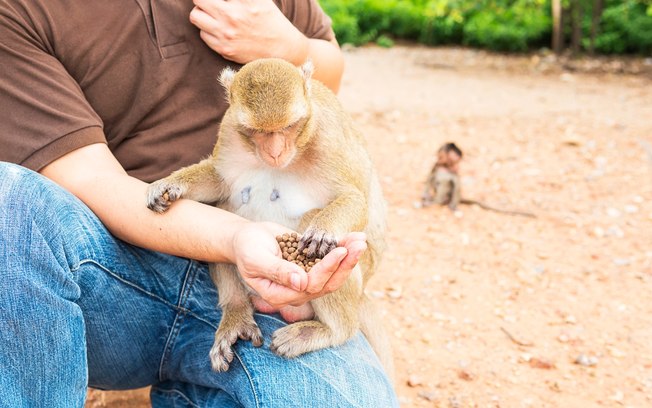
[319, 242]
[161, 194]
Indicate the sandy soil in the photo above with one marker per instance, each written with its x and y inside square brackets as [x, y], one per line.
[492, 310]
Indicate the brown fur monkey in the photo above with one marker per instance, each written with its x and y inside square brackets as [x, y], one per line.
[443, 185]
[288, 153]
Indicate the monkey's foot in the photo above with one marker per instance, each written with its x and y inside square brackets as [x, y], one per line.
[161, 194]
[299, 338]
[318, 242]
[221, 353]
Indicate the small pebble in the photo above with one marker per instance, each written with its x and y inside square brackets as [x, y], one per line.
[586, 361]
[414, 380]
[428, 395]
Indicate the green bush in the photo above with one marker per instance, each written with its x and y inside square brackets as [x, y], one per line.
[504, 25]
[626, 27]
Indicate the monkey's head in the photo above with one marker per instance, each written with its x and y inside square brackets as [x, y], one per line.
[449, 156]
[269, 101]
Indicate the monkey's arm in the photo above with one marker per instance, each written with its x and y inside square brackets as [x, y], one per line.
[429, 188]
[347, 212]
[198, 182]
[197, 231]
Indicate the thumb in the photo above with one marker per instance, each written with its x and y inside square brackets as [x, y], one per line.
[284, 273]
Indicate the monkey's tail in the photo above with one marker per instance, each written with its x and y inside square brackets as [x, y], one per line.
[372, 327]
[498, 210]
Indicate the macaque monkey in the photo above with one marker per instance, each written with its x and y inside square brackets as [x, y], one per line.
[443, 185]
[288, 153]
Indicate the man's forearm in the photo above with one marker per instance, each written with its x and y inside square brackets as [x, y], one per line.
[328, 61]
[188, 229]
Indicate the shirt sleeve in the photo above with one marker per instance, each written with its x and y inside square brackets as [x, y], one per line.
[43, 111]
[308, 17]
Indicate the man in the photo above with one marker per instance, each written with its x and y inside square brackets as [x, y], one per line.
[101, 98]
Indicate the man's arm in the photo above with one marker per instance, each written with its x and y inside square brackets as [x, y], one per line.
[245, 30]
[194, 230]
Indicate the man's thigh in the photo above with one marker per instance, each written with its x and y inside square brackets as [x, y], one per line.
[150, 318]
[131, 301]
[346, 376]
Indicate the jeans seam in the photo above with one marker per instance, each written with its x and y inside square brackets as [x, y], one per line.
[249, 377]
[186, 286]
[123, 280]
[175, 391]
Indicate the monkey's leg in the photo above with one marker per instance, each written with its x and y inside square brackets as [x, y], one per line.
[444, 188]
[237, 316]
[456, 193]
[337, 315]
[198, 182]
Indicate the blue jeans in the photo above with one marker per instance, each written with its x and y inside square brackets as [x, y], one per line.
[80, 308]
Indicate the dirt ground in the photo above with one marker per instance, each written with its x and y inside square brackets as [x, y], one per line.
[493, 310]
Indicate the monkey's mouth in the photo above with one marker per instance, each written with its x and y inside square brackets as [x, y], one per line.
[275, 162]
[278, 162]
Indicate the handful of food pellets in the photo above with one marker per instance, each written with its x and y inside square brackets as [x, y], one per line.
[289, 244]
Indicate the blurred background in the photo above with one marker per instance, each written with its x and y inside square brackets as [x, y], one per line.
[551, 102]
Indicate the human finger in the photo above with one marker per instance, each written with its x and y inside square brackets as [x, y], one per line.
[321, 273]
[212, 7]
[276, 296]
[281, 272]
[351, 237]
[337, 279]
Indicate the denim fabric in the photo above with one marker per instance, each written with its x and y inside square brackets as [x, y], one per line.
[80, 308]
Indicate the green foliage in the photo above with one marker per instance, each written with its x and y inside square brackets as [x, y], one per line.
[626, 27]
[384, 41]
[504, 25]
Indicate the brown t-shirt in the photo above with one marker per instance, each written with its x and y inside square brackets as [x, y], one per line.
[130, 73]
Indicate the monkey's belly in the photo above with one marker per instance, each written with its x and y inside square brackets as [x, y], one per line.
[280, 198]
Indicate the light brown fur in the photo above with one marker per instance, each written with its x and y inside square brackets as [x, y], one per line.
[284, 125]
[443, 184]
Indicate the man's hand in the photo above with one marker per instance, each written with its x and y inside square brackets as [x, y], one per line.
[281, 283]
[245, 30]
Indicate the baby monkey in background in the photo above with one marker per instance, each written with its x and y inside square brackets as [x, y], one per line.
[444, 187]
[288, 153]
[443, 183]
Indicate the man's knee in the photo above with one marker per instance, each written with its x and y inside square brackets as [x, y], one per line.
[38, 218]
[24, 191]
[349, 375]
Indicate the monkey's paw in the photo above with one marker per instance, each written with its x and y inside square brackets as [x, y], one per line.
[221, 353]
[161, 194]
[318, 242]
[297, 339]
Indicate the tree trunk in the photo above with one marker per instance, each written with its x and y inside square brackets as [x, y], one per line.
[576, 26]
[598, 6]
[557, 32]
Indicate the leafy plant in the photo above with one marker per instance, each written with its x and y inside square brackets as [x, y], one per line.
[505, 25]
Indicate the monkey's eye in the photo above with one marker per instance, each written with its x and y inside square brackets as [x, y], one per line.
[295, 127]
[245, 131]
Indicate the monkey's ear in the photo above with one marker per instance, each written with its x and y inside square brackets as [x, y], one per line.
[306, 72]
[226, 79]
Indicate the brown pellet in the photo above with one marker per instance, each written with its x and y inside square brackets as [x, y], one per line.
[289, 244]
